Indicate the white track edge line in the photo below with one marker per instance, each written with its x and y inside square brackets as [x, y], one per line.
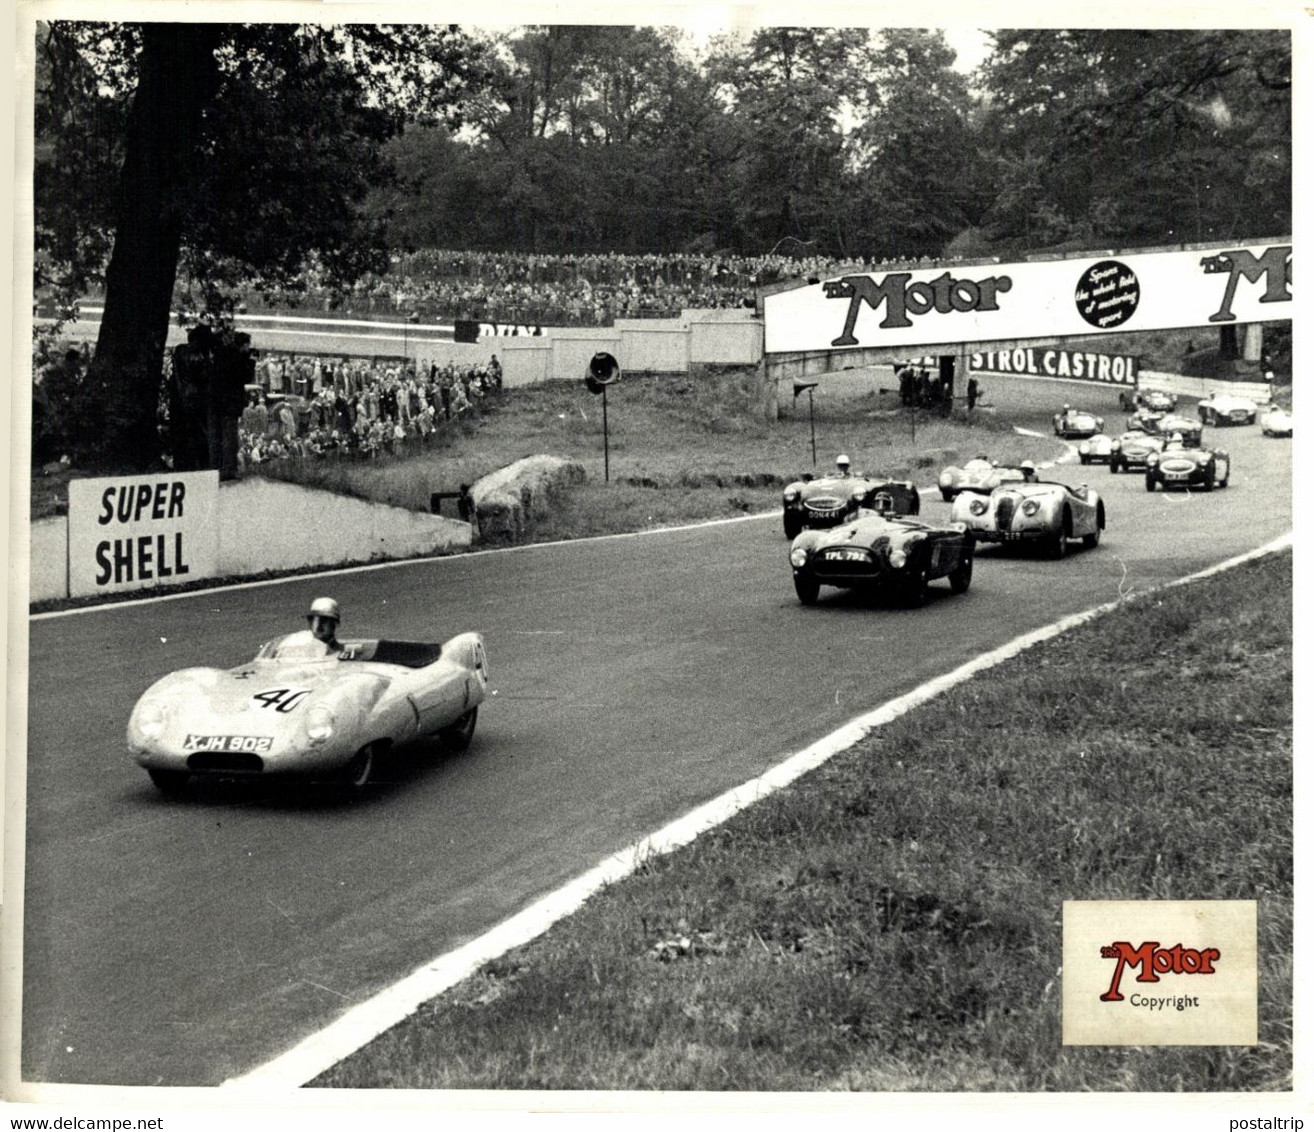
[366, 1021]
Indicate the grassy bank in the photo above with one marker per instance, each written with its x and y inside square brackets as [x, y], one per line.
[892, 921]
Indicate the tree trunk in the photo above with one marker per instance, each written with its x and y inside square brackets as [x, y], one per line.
[178, 75]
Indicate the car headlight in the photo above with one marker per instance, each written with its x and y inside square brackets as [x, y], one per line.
[798, 556]
[946, 479]
[1030, 507]
[1152, 458]
[791, 496]
[1099, 422]
[320, 722]
[977, 507]
[1084, 448]
[898, 559]
[152, 717]
[1115, 446]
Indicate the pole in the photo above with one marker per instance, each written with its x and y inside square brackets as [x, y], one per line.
[812, 422]
[606, 447]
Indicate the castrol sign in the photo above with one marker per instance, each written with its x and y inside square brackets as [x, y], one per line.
[141, 532]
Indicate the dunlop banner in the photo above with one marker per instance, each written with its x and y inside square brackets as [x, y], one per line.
[138, 532]
[1069, 297]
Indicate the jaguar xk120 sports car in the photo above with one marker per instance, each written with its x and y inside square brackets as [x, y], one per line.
[1132, 450]
[299, 708]
[1156, 400]
[1226, 409]
[1276, 422]
[882, 553]
[1076, 424]
[811, 505]
[978, 474]
[1045, 513]
[1183, 466]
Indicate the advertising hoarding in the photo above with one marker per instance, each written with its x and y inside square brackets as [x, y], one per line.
[141, 532]
[1104, 294]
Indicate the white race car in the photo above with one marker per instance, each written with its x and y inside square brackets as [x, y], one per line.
[1276, 422]
[300, 709]
[1225, 409]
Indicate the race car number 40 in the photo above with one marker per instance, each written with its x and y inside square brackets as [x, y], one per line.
[280, 699]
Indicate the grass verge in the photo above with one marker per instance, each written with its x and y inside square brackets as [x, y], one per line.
[892, 920]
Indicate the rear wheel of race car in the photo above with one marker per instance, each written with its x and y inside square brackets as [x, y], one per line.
[457, 737]
[793, 524]
[170, 782]
[807, 589]
[961, 577]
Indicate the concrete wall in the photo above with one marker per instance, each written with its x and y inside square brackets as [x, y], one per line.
[724, 340]
[1199, 387]
[655, 348]
[48, 558]
[525, 361]
[266, 525]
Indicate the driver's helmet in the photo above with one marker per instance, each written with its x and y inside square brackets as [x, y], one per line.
[1176, 439]
[1066, 407]
[842, 462]
[1027, 466]
[324, 607]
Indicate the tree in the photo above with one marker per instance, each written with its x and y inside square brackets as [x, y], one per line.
[1121, 137]
[247, 152]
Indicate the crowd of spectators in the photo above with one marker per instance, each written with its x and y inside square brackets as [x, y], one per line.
[552, 290]
[316, 407]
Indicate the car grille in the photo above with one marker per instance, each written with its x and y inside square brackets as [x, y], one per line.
[1239, 415]
[1004, 512]
[226, 762]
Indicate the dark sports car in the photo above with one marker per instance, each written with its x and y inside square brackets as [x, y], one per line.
[811, 505]
[1132, 450]
[879, 552]
[1180, 466]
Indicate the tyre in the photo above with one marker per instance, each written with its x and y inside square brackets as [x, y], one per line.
[947, 496]
[793, 524]
[1092, 540]
[1084, 459]
[170, 782]
[355, 776]
[1209, 479]
[961, 577]
[807, 589]
[457, 736]
[913, 592]
[1113, 467]
[1227, 475]
[916, 506]
[1149, 482]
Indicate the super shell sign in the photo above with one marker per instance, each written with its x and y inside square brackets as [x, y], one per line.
[1099, 295]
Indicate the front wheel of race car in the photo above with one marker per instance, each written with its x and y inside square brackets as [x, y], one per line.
[946, 495]
[355, 776]
[793, 524]
[1149, 483]
[807, 589]
[961, 577]
[457, 736]
[170, 782]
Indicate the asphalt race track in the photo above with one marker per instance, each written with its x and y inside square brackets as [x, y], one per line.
[185, 942]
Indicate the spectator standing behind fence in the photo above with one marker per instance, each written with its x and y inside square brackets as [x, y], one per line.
[973, 392]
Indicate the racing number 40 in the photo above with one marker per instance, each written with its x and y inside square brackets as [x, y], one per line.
[282, 699]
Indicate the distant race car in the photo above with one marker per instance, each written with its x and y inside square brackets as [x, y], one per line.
[1225, 409]
[823, 503]
[884, 553]
[1146, 420]
[1156, 400]
[1097, 450]
[1174, 424]
[1276, 422]
[1181, 466]
[1131, 450]
[978, 474]
[1045, 513]
[299, 709]
[1075, 424]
